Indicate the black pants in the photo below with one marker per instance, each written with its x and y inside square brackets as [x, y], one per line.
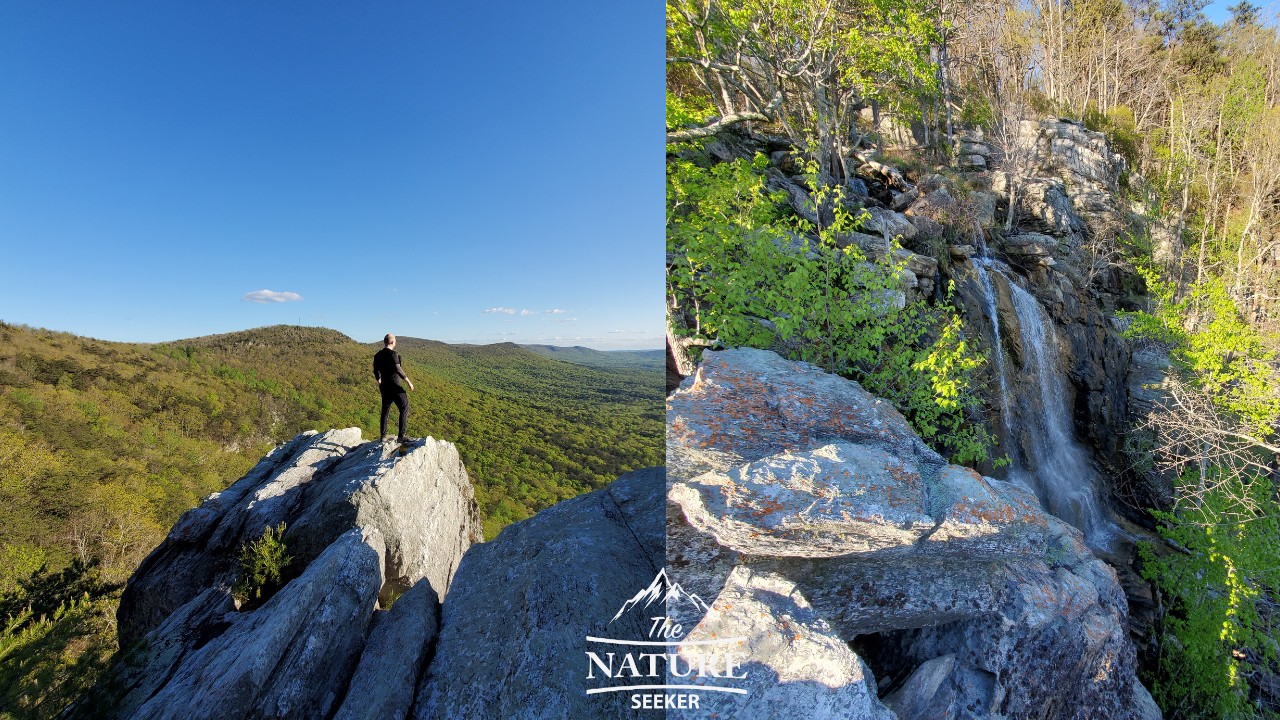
[401, 401]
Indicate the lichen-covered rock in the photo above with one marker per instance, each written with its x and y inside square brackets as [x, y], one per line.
[876, 536]
[513, 629]
[842, 499]
[743, 405]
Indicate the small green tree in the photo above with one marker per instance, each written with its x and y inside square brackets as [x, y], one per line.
[1214, 625]
[263, 564]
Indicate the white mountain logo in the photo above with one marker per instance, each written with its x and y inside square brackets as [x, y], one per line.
[662, 589]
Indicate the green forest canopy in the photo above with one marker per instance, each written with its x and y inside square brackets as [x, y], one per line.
[103, 445]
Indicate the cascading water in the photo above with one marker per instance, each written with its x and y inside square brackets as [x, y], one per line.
[1060, 471]
[989, 293]
[1064, 478]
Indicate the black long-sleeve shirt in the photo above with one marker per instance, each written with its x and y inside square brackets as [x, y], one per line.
[386, 370]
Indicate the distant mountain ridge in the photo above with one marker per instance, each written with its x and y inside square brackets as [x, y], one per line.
[603, 359]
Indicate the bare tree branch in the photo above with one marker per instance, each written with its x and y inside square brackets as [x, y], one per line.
[721, 124]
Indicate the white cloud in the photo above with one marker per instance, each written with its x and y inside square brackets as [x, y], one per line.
[524, 312]
[270, 296]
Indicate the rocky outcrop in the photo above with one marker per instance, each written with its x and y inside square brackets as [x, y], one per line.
[804, 504]
[290, 658]
[513, 633]
[920, 270]
[1070, 188]
[382, 535]
[320, 485]
[366, 522]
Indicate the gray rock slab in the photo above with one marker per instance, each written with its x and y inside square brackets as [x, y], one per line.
[793, 664]
[385, 679]
[942, 689]
[289, 658]
[513, 631]
[200, 548]
[845, 499]
[418, 495]
[886, 222]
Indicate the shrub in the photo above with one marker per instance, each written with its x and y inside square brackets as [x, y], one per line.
[263, 564]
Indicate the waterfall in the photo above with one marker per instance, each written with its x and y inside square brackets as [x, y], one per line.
[1060, 471]
[989, 294]
[1063, 476]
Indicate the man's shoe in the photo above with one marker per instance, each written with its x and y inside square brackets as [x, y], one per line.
[403, 439]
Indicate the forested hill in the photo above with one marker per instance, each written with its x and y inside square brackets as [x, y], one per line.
[612, 359]
[103, 445]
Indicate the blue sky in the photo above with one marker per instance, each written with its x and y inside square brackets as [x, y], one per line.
[468, 172]
[1217, 11]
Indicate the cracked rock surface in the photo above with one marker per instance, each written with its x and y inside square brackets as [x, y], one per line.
[799, 503]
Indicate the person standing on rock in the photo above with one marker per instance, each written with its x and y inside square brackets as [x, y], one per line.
[388, 373]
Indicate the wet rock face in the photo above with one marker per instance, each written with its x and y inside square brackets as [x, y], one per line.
[852, 528]
[1068, 199]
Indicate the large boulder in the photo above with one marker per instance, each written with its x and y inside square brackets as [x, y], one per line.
[372, 526]
[802, 479]
[366, 522]
[320, 485]
[513, 631]
[889, 224]
[920, 269]
[732, 412]
[945, 689]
